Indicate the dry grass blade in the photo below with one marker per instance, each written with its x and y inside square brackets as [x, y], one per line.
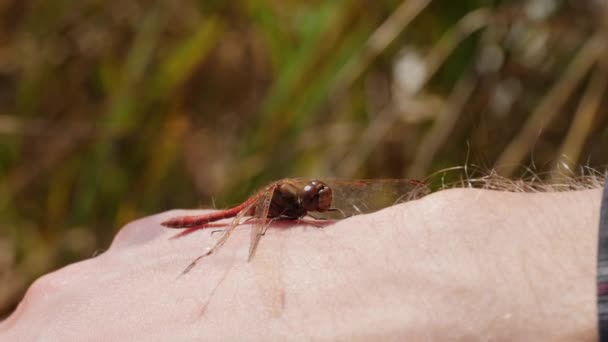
[470, 23]
[444, 124]
[380, 39]
[467, 25]
[372, 135]
[434, 139]
[548, 109]
[581, 125]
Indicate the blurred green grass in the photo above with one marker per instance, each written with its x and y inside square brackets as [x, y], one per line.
[113, 110]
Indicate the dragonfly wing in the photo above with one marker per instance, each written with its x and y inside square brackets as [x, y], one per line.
[233, 224]
[261, 214]
[365, 196]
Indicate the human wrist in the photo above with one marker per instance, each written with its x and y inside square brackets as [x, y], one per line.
[535, 253]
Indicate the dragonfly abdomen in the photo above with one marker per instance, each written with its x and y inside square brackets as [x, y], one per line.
[199, 220]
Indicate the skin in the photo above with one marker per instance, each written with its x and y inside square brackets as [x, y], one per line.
[459, 264]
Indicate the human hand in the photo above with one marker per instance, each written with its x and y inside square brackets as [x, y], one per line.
[459, 264]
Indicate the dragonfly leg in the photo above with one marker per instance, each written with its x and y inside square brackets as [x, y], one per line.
[269, 223]
[321, 224]
[217, 231]
[189, 230]
[338, 210]
[317, 218]
[318, 223]
[194, 262]
[221, 230]
[312, 223]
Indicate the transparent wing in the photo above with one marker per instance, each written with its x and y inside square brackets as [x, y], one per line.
[235, 222]
[354, 197]
[261, 215]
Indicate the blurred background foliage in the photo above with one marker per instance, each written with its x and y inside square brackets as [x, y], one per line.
[112, 110]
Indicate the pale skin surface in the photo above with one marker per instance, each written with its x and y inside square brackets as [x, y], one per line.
[456, 265]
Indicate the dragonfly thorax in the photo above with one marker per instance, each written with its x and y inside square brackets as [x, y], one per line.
[294, 200]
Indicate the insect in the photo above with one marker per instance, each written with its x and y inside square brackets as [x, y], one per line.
[293, 199]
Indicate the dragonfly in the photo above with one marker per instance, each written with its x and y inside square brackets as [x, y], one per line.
[294, 199]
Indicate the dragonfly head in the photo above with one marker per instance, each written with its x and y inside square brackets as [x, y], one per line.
[316, 196]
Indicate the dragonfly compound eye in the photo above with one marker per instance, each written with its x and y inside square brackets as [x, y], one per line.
[316, 196]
